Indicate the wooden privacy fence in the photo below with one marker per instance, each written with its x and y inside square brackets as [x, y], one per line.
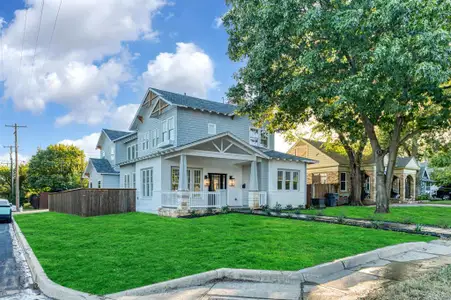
[93, 202]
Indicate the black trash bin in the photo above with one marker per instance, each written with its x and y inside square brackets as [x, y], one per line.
[318, 203]
[331, 199]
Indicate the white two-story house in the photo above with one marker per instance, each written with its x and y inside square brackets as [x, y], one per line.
[185, 152]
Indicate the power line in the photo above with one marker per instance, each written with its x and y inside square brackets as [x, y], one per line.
[23, 40]
[54, 24]
[35, 48]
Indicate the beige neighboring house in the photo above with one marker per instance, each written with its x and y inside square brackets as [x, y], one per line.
[332, 173]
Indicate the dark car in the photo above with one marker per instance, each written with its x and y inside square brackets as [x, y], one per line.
[444, 192]
[5, 210]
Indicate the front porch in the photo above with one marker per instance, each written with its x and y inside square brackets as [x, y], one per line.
[210, 175]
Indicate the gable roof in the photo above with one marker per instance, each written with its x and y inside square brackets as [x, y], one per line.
[339, 158]
[115, 134]
[102, 166]
[195, 103]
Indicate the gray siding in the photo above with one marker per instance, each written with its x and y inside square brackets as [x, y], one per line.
[110, 181]
[193, 125]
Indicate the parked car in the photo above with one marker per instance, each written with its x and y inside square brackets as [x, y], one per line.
[13, 207]
[444, 192]
[5, 210]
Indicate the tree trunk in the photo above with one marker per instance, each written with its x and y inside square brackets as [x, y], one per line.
[356, 186]
[382, 198]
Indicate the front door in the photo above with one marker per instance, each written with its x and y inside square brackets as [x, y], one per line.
[218, 182]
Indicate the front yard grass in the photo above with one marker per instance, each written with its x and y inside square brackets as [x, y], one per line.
[425, 215]
[107, 254]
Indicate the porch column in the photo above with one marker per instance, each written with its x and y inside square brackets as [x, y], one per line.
[254, 195]
[183, 170]
[183, 195]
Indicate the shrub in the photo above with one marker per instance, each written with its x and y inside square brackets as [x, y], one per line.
[320, 212]
[225, 209]
[376, 224]
[268, 212]
[444, 224]
[264, 207]
[297, 212]
[301, 206]
[423, 197]
[289, 207]
[277, 208]
[418, 228]
[209, 211]
[193, 213]
[341, 218]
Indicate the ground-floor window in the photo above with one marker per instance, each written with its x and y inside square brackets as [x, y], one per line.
[194, 177]
[343, 183]
[287, 180]
[368, 185]
[99, 184]
[147, 182]
[134, 180]
[127, 181]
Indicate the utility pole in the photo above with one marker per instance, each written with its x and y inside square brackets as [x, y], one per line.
[16, 144]
[12, 169]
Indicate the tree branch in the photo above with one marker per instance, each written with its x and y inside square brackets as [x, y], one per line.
[408, 136]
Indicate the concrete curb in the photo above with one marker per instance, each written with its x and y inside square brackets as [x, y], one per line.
[382, 225]
[47, 286]
[56, 291]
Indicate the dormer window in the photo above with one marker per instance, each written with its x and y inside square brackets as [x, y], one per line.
[258, 137]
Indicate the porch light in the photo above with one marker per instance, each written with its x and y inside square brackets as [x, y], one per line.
[232, 181]
[206, 181]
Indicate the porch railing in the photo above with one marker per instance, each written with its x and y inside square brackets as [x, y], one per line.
[263, 198]
[196, 200]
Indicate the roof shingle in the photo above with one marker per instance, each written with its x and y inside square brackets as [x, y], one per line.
[102, 166]
[196, 103]
[115, 134]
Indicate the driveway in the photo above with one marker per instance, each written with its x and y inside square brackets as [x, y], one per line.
[15, 277]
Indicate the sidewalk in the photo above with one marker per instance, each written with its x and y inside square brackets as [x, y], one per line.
[350, 283]
[30, 211]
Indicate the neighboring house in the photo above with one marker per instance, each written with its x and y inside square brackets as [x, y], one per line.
[426, 186]
[102, 172]
[332, 173]
[190, 153]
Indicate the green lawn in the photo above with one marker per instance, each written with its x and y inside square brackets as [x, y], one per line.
[440, 202]
[108, 254]
[440, 216]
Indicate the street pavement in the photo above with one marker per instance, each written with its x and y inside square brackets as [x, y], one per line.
[15, 277]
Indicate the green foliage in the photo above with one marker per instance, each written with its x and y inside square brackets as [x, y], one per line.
[418, 228]
[380, 65]
[59, 167]
[5, 183]
[225, 209]
[424, 197]
[277, 208]
[441, 162]
[289, 207]
[234, 240]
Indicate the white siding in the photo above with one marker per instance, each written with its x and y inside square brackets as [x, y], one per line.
[294, 198]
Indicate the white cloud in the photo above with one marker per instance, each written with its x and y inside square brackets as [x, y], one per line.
[189, 70]
[217, 22]
[5, 159]
[87, 143]
[87, 60]
[123, 116]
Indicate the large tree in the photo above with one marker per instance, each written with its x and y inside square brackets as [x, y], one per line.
[59, 167]
[387, 60]
[441, 162]
[5, 182]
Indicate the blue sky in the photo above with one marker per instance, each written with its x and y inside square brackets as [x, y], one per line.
[93, 69]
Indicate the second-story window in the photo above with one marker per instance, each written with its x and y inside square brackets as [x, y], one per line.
[132, 152]
[112, 154]
[258, 137]
[164, 131]
[171, 128]
[155, 138]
